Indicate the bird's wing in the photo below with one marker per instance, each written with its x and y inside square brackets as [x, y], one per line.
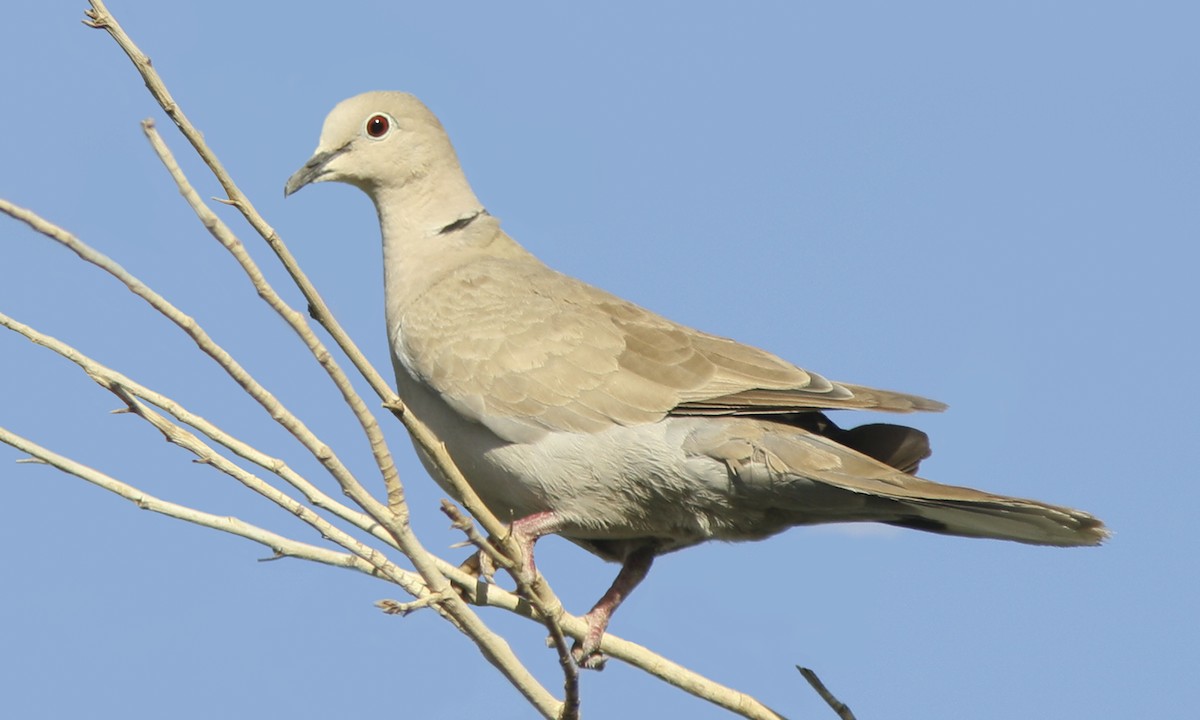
[518, 346]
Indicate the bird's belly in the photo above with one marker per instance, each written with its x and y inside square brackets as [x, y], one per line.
[622, 483]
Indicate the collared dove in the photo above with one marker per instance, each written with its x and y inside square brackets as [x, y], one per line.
[579, 413]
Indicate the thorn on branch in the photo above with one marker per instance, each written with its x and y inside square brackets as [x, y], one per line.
[279, 555]
[31, 461]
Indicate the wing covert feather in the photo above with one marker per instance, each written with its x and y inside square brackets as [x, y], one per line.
[510, 340]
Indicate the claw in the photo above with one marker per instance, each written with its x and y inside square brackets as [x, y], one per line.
[487, 567]
[586, 652]
[638, 557]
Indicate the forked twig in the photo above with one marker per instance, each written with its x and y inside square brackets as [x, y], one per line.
[613, 646]
[491, 645]
[106, 376]
[279, 544]
[549, 616]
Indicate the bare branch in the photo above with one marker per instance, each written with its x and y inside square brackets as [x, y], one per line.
[206, 344]
[557, 640]
[394, 607]
[296, 320]
[481, 594]
[101, 18]
[106, 376]
[396, 504]
[627, 652]
[487, 552]
[491, 645]
[188, 441]
[393, 516]
[282, 546]
[838, 706]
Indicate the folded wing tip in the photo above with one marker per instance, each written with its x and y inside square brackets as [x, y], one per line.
[932, 405]
[1094, 532]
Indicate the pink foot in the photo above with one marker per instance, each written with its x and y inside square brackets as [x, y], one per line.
[587, 651]
[526, 531]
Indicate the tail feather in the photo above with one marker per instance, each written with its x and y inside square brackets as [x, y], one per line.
[860, 487]
[1002, 518]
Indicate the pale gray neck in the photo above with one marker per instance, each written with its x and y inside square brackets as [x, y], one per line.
[425, 205]
[412, 216]
[411, 220]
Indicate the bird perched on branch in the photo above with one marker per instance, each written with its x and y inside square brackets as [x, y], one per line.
[582, 414]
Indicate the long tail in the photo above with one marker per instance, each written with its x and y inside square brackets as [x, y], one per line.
[999, 517]
[837, 483]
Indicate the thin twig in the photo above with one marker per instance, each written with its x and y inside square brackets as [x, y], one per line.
[277, 411]
[105, 376]
[296, 320]
[202, 339]
[838, 706]
[548, 604]
[280, 545]
[445, 466]
[548, 617]
[394, 607]
[177, 435]
[481, 594]
[491, 645]
[487, 551]
[100, 17]
[219, 230]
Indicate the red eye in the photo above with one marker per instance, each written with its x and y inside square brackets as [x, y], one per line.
[378, 125]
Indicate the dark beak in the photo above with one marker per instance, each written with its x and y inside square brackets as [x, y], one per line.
[312, 171]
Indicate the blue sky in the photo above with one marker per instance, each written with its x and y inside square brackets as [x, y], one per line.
[991, 206]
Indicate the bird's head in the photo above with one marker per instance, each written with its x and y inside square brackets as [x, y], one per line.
[377, 141]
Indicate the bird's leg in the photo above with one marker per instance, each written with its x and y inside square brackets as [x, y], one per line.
[637, 563]
[526, 531]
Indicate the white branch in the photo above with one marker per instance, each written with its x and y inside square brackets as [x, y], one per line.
[106, 377]
[386, 522]
[491, 645]
[282, 546]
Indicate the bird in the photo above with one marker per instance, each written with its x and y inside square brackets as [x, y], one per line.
[574, 412]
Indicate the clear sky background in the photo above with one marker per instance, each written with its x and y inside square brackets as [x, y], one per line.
[993, 206]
